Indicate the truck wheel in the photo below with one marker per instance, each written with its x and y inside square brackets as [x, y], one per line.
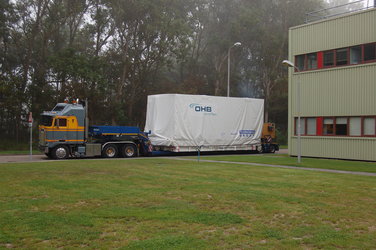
[110, 151]
[60, 152]
[129, 151]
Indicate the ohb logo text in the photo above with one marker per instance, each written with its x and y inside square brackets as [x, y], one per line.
[201, 108]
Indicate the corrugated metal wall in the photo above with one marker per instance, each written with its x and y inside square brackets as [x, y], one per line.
[344, 31]
[336, 147]
[340, 91]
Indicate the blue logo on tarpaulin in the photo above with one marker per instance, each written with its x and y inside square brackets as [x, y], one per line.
[247, 133]
[201, 108]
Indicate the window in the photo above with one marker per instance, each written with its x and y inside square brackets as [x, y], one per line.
[312, 61]
[328, 58]
[369, 52]
[302, 126]
[59, 108]
[363, 53]
[46, 120]
[299, 62]
[311, 126]
[369, 126]
[337, 126]
[355, 55]
[341, 56]
[355, 126]
[341, 126]
[60, 122]
[328, 128]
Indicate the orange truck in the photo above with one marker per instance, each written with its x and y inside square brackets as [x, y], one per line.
[268, 138]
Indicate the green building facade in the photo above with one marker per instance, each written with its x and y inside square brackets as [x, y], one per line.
[336, 59]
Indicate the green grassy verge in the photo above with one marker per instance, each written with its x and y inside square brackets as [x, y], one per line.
[19, 152]
[286, 160]
[167, 204]
[14, 145]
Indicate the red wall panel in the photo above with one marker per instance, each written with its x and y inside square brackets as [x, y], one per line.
[320, 58]
[319, 125]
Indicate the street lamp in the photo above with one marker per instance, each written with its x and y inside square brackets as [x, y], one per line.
[290, 64]
[228, 66]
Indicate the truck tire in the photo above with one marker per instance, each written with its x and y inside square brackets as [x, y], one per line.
[110, 151]
[60, 152]
[129, 150]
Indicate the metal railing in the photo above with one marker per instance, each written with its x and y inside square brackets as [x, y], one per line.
[339, 10]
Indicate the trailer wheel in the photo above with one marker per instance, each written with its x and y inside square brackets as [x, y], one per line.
[110, 151]
[129, 150]
[60, 152]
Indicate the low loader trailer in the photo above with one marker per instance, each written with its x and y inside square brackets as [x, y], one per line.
[65, 132]
[189, 123]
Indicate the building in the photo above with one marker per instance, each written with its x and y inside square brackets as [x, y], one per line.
[336, 59]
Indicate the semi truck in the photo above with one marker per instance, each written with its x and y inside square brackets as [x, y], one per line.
[174, 123]
[65, 132]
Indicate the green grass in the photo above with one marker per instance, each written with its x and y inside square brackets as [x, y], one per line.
[168, 204]
[19, 152]
[8, 144]
[279, 159]
[10, 147]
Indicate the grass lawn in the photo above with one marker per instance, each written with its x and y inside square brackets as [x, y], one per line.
[19, 152]
[161, 203]
[279, 159]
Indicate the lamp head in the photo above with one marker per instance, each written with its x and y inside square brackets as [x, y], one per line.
[288, 63]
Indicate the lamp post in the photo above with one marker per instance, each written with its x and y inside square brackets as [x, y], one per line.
[228, 66]
[290, 64]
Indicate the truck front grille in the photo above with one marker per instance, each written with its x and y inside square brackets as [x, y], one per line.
[42, 137]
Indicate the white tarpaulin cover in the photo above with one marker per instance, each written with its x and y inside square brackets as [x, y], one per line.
[199, 120]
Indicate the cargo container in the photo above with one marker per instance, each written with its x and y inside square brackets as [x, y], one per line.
[186, 123]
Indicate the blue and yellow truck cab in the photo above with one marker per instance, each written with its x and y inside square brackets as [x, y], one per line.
[65, 132]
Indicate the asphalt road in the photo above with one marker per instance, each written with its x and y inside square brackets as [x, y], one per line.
[43, 158]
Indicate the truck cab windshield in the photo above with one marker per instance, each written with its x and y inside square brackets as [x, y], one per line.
[58, 108]
[46, 120]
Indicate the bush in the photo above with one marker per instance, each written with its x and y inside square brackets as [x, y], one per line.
[281, 137]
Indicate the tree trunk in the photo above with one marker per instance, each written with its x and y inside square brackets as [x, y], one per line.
[267, 83]
[218, 66]
[216, 87]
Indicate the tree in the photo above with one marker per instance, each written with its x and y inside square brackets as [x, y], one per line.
[115, 53]
[269, 44]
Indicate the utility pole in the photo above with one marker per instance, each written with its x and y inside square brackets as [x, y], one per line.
[31, 134]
